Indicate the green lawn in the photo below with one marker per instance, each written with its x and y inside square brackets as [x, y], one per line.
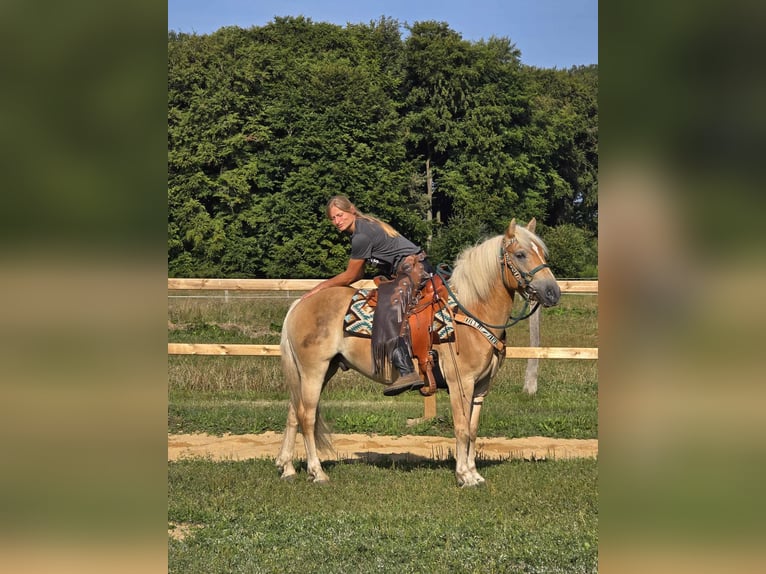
[383, 516]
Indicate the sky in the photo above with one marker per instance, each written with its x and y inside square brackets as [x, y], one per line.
[549, 33]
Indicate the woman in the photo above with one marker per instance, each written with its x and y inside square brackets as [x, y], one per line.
[376, 242]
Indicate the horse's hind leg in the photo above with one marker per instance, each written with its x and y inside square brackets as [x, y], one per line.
[307, 415]
[284, 461]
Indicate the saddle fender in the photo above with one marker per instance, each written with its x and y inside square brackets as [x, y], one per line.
[430, 299]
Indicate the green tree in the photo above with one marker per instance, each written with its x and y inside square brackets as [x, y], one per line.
[211, 165]
[563, 143]
[446, 139]
[573, 252]
[437, 78]
[336, 130]
[486, 173]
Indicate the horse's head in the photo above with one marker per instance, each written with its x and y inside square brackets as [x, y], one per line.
[523, 256]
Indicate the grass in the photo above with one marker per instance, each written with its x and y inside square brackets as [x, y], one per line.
[562, 407]
[384, 517]
[218, 320]
[245, 394]
[572, 323]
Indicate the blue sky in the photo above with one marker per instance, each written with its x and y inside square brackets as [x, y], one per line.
[549, 33]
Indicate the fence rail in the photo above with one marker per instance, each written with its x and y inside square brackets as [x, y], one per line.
[232, 350]
[181, 284]
[178, 284]
[531, 353]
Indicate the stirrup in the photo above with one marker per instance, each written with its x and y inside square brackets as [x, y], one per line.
[408, 382]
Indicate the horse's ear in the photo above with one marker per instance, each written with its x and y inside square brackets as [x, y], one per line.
[531, 225]
[511, 231]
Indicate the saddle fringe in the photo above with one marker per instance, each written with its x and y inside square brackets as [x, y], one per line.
[381, 358]
[384, 339]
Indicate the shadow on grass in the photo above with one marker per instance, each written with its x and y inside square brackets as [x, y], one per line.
[406, 462]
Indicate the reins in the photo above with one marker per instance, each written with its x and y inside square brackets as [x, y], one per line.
[523, 280]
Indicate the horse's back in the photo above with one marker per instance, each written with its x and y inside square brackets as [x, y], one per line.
[315, 324]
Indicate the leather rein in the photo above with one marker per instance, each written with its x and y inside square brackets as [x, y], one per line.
[523, 280]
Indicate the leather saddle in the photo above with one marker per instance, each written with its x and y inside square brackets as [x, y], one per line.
[430, 299]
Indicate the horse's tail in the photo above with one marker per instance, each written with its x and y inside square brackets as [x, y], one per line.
[292, 373]
[322, 434]
[290, 362]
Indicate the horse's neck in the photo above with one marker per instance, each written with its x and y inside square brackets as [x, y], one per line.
[496, 309]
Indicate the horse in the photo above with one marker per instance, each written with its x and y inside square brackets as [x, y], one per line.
[484, 281]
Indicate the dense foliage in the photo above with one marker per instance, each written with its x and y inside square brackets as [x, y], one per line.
[444, 138]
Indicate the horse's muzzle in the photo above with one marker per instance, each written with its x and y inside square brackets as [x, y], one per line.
[545, 291]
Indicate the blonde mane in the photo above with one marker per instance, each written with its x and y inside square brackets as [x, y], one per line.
[478, 267]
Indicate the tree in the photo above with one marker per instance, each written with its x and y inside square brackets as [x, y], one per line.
[437, 78]
[573, 252]
[563, 142]
[444, 138]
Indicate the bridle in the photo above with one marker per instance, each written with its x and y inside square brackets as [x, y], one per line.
[523, 280]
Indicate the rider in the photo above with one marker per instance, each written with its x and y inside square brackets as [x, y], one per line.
[376, 242]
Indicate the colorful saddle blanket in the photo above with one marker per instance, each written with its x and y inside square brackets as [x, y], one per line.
[358, 320]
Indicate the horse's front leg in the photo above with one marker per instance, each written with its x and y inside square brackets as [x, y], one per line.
[462, 415]
[473, 432]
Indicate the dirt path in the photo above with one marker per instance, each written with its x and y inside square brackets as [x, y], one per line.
[353, 446]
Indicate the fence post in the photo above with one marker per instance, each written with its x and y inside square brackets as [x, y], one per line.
[530, 377]
[429, 407]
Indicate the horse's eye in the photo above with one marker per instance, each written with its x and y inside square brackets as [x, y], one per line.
[520, 255]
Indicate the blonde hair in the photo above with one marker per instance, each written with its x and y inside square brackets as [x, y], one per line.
[344, 204]
[476, 266]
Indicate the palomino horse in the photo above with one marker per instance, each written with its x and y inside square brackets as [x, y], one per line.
[485, 279]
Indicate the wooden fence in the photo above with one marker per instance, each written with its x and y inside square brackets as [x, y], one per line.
[299, 285]
[176, 284]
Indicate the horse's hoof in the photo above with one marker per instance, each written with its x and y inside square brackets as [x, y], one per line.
[315, 480]
[288, 478]
[471, 483]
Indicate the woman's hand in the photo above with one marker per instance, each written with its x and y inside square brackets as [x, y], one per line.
[312, 292]
[353, 272]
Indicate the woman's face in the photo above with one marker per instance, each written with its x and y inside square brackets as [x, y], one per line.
[342, 220]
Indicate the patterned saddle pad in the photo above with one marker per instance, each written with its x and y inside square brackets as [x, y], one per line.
[358, 319]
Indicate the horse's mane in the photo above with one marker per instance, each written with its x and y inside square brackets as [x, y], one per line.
[477, 267]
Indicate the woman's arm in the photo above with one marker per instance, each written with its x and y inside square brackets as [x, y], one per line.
[354, 271]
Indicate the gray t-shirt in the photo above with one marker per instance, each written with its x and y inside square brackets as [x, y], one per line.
[370, 241]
